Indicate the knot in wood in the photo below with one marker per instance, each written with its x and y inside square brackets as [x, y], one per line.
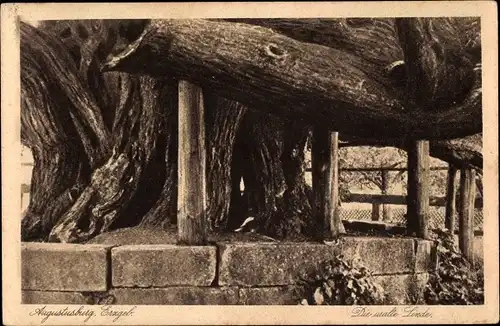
[274, 51]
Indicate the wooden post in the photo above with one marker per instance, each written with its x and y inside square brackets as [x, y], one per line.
[375, 211]
[386, 208]
[466, 212]
[451, 194]
[191, 201]
[418, 188]
[325, 179]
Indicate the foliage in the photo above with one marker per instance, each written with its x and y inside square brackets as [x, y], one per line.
[340, 282]
[372, 157]
[455, 281]
[384, 157]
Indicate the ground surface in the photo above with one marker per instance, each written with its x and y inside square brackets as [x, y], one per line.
[137, 235]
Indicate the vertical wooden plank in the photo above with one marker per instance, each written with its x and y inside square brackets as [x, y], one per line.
[467, 198]
[375, 211]
[325, 178]
[191, 201]
[451, 195]
[386, 208]
[418, 188]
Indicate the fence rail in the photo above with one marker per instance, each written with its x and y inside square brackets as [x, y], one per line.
[372, 169]
[398, 200]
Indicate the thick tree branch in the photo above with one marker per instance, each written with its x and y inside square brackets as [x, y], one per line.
[272, 72]
[439, 69]
[46, 64]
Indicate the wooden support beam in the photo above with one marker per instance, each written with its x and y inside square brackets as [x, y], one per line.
[191, 202]
[451, 195]
[375, 212]
[418, 188]
[386, 209]
[325, 178]
[466, 213]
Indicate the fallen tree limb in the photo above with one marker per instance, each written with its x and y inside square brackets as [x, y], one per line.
[274, 73]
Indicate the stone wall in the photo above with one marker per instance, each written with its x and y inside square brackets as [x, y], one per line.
[224, 273]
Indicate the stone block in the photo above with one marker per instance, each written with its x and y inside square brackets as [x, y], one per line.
[425, 256]
[163, 265]
[403, 289]
[51, 297]
[274, 264]
[277, 295]
[64, 267]
[175, 296]
[266, 264]
[380, 255]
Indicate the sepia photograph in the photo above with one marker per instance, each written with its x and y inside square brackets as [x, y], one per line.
[245, 161]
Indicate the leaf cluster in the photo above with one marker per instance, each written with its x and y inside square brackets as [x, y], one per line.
[455, 281]
[340, 282]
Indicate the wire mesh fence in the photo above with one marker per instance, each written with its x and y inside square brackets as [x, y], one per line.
[398, 216]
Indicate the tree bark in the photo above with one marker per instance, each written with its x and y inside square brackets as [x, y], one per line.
[137, 131]
[287, 77]
[105, 145]
[62, 126]
[269, 154]
[223, 118]
[141, 114]
[89, 42]
[439, 70]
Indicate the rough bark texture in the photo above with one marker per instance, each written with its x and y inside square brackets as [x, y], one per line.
[89, 43]
[89, 108]
[439, 69]
[62, 126]
[275, 73]
[269, 155]
[462, 152]
[138, 182]
[223, 118]
[164, 211]
[374, 41]
[137, 131]
[297, 211]
[259, 146]
[105, 145]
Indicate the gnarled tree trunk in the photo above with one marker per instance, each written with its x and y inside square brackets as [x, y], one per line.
[269, 155]
[105, 145]
[126, 175]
